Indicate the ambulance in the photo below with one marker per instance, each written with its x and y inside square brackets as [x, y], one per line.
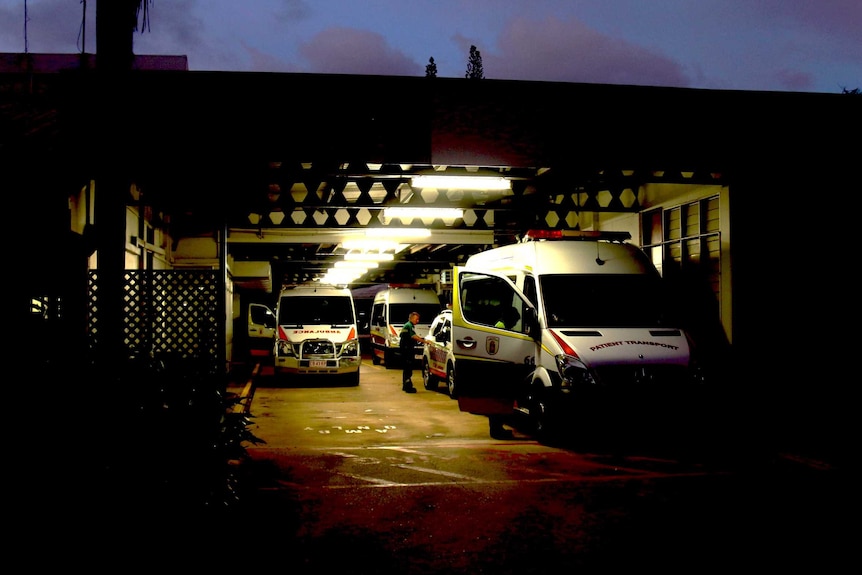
[316, 333]
[390, 310]
[589, 336]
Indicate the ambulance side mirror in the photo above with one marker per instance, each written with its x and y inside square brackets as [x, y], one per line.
[531, 323]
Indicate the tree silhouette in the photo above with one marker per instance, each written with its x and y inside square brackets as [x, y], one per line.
[431, 69]
[116, 23]
[474, 65]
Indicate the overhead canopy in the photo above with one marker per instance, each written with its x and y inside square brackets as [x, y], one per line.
[262, 151]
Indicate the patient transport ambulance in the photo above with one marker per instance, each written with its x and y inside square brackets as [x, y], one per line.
[316, 333]
[592, 340]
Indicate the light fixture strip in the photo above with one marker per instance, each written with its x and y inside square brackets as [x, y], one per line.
[474, 183]
[423, 213]
[368, 257]
[355, 264]
[400, 233]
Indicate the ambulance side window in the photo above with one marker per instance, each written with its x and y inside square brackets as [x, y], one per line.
[530, 291]
[442, 334]
[484, 298]
[261, 315]
[377, 315]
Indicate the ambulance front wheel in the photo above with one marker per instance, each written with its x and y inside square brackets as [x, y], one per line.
[451, 384]
[541, 418]
[429, 380]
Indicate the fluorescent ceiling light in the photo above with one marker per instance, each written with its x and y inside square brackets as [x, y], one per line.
[368, 257]
[478, 183]
[349, 273]
[356, 264]
[370, 244]
[433, 213]
[397, 232]
[341, 276]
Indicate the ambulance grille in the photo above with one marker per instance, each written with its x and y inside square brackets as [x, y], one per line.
[318, 349]
[653, 377]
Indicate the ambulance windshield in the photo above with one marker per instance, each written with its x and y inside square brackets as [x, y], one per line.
[603, 300]
[315, 310]
[400, 312]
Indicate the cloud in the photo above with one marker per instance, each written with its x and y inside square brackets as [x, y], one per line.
[351, 51]
[719, 44]
[569, 51]
[262, 62]
[174, 28]
[794, 80]
[840, 19]
[52, 26]
[292, 10]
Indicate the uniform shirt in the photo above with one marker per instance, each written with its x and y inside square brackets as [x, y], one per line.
[407, 333]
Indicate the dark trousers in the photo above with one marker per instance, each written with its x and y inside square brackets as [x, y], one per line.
[407, 365]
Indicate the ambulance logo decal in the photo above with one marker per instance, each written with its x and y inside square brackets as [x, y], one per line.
[492, 345]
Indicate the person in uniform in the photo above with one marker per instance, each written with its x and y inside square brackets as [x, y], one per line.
[407, 337]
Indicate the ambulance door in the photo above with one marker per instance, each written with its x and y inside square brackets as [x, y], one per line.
[260, 332]
[491, 361]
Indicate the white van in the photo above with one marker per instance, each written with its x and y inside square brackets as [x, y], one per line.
[588, 333]
[256, 340]
[390, 311]
[316, 332]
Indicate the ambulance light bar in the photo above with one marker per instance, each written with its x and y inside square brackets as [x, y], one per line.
[538, 235]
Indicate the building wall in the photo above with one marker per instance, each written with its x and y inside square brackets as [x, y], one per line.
[667, 198]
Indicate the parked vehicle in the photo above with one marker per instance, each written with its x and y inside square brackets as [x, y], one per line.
[592, 340]
[390, 311]
[259, 334]
[363, 298]
[438, 360]
[316, 333]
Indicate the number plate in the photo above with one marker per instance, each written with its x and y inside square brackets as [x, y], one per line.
[317, 363]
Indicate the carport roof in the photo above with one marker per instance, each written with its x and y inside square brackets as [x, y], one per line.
[328, 152]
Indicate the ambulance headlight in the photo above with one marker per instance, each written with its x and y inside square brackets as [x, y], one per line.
[284, 347]
[350, 348]
[573, 372]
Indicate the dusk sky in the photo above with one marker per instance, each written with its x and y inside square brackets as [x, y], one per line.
[782, 45]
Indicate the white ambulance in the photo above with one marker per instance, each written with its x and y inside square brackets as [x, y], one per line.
[391, 310]
[583, 332]
[316, 332]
